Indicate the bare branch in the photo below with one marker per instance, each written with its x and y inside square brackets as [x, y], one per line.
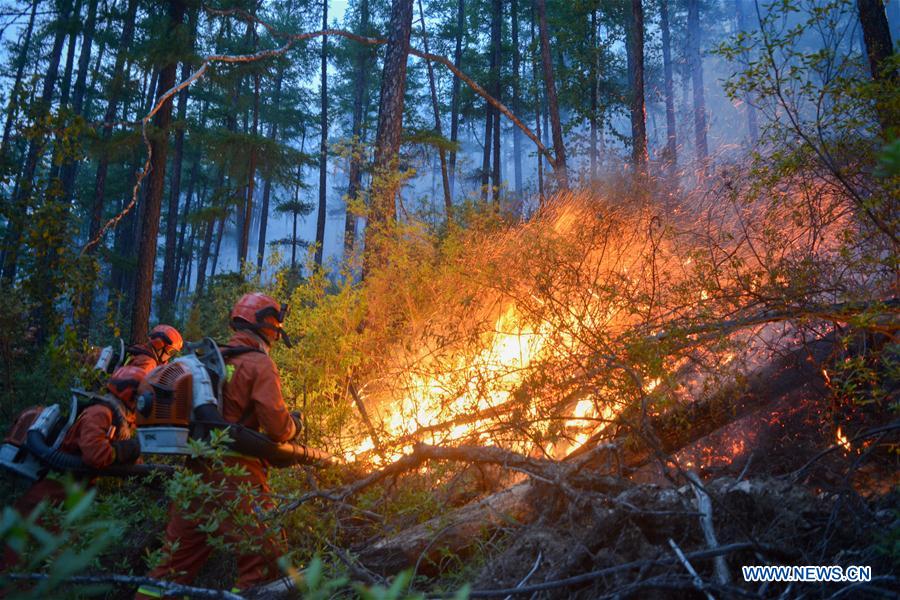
[168, 587]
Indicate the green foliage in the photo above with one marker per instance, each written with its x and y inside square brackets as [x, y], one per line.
[57, 541]
[821, 106]
[315, 583]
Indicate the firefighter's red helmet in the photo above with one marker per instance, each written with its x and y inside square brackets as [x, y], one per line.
[260, 313]
[166, 342]
[124, 382]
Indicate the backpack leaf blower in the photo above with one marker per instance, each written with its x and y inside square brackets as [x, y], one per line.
[182, 400]
[33, 445]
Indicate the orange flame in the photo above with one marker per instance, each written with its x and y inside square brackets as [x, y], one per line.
[842, 440]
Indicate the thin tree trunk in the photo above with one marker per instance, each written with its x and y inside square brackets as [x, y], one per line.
[13, 238]
[361, 83]
[90, 91]
[537, 111]
[879, 49]
[115, 91]
[559, 168]
[74, 26]
[13, 104]
[593, 78]
[496, 49]
[267, 187]
[752, 127]
[186, 272]
[486, 151]
[143, 288]
[696, 63]
[70, 169]
[516, 106]
[170, 272]
[385, 181]
[251, 177]
[671, 152]
[323, 146]
[445, 180]
[220, 233]
[65, 86]
[207, 240]
[295, 214]
[182, 230]
[638, 109]
[454, 94]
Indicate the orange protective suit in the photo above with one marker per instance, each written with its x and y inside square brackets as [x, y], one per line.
[92, 437]
[252, 397]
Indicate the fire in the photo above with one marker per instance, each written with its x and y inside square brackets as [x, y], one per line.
[490, 377]
[842, 440]
[438, 394]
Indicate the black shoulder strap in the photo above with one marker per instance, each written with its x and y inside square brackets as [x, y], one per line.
[114, 406]
[229, 351]
[135, 350]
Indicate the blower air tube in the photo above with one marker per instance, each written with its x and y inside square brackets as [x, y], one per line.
[253, 443]
[58, 460]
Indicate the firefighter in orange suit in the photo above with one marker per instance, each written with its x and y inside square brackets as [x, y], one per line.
[252, 397]
[162, 344]
[103, 435]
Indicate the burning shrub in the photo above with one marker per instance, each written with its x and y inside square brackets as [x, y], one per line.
[580, 322]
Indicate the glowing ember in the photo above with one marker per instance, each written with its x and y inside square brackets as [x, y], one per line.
[842, 440]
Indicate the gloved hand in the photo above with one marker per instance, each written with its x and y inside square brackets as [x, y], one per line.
[127, 451]
[297, 418]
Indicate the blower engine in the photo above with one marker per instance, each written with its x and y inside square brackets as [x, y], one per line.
[182, 400]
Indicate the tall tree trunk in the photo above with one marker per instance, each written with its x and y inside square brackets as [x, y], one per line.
[207, 239]
[70, 169]
[251, 177]
[594, 79]
[90, 91]
[454, 93]
[496, 45]
[516, 106]
[65, 87]
[12, 108]
[445, 180]
[115, 91]
[187, 270]
[267, 187]
[486, 151]
[360, 85]
[752, 127]
[143, 288]
[13, 238]
[294, 214]
[385, 181]
[220, 233]
[323, 146]
[170, 273]
[559, 167]
[537, 111]
[74, 27]
[879, 49]
[182, 229]
[696, 63]
[892, 9]
[671, 158]
[638, 108]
